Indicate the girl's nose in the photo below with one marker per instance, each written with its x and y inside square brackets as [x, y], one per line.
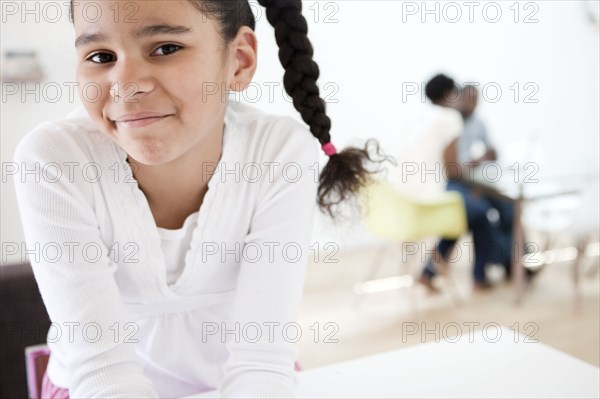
[130, 79]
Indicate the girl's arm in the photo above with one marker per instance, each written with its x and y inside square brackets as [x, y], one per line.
[77, 286]
[269, 291]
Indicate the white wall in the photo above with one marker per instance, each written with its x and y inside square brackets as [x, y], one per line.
[53, 41]
[368, 58]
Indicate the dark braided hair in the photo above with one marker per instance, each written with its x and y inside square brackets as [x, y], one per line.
[346, 172]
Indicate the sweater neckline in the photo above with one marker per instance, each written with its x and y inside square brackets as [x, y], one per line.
[146, 225]
[177, 234]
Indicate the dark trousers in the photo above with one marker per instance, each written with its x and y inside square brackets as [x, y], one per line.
[491, 240]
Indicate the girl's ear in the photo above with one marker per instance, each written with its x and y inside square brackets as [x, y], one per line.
[243, 58]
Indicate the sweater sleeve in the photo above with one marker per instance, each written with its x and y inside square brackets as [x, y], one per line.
[73, 269]
[269, 289]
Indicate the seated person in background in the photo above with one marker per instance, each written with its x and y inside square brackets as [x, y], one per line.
[474, 145]
[438, 90]
[430, 134]
[474, 148]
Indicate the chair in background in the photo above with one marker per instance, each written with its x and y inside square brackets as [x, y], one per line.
[24, 323]
[36, 362]
[572, 216]
[585, 226]
[397, 219]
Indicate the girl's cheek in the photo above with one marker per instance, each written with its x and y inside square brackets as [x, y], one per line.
[92, 90]
[86, 84]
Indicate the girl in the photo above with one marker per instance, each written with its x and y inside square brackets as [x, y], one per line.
[173, 272]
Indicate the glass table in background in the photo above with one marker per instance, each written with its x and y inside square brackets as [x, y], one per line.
[520, 184]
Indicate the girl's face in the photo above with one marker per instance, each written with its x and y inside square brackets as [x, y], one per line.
[152, 75]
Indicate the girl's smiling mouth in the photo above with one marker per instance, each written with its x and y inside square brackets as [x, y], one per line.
[139, 119]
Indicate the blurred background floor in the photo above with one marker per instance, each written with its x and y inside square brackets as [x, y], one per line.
[381, 321]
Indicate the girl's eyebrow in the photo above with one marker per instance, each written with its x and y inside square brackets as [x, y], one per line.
[146, 31]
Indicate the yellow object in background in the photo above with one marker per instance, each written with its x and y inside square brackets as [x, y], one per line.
[392, 215]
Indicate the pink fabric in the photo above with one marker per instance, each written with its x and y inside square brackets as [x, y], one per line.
[51, 391]
[329, 148]
[36, 362]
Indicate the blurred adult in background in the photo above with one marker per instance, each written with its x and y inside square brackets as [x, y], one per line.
[439, 90]
[474, 144]
[474, 149]
[430, 130]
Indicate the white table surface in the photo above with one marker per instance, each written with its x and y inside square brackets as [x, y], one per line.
[472, 367]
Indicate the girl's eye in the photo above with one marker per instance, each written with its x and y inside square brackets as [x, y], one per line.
[101, 58]
[167, 49]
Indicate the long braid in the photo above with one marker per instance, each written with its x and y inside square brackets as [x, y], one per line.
[345, 173]
[296, 56]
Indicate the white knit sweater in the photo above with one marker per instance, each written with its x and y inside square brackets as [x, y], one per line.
[119, 330]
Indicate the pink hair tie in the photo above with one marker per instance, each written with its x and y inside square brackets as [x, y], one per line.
[329, 149]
